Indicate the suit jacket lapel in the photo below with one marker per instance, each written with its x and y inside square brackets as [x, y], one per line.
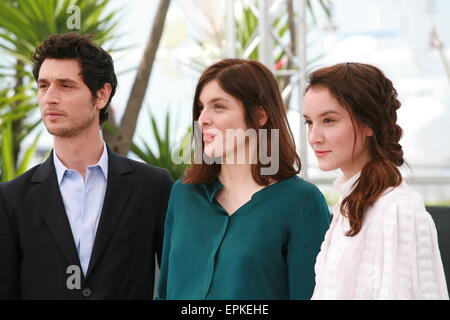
[118, 190]
[47, 198]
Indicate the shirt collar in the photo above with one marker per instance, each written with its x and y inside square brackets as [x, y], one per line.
[344, 185]
[61, 168]
[212, 188]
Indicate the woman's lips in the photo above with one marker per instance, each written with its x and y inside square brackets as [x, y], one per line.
[207, 137]
[321, 153]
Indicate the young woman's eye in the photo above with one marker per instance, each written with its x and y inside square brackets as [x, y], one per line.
[328, 120]
[218, 106]
[200, 108]
[308, 123]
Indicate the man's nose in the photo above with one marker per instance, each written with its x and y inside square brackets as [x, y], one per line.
[51, 95]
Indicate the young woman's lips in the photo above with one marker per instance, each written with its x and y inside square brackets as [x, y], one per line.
[321, 154]
[207, 137]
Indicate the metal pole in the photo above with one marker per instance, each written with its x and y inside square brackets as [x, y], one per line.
[265, 52]
[301, 51]
[231, 30]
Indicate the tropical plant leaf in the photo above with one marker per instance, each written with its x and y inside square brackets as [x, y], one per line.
[162, 157]
[8, 167]
[29, 153]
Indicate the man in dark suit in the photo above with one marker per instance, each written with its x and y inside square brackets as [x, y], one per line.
[87, 223]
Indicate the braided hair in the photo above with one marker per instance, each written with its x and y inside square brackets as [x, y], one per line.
[371, 100]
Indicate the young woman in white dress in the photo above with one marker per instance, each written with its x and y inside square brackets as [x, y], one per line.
[382, 243]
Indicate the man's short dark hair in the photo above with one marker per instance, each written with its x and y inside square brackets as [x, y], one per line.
[97, 67]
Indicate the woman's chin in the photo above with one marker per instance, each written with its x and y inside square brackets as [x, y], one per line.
[327, 167]
[210, 153]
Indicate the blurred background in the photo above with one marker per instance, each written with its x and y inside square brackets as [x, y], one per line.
[169, 43]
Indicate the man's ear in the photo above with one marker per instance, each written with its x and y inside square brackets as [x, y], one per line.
[261, 114]
[103, 95]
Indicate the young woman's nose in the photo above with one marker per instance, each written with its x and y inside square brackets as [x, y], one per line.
[315, 135]
[204, 119]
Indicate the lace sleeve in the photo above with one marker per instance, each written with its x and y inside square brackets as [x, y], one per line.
[408, 259]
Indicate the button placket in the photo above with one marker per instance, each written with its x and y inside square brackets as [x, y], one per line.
[83, 222]
[76, 177]
[212, 258]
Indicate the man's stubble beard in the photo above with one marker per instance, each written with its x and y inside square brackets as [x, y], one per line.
[73, 128]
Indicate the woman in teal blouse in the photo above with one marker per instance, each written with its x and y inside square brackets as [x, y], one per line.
[241, 224]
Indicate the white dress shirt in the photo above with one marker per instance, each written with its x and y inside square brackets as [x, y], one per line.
[394, 256]
[83, 201]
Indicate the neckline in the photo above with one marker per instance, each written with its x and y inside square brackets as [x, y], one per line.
[344, 185]
[216, 186]
[272, 186]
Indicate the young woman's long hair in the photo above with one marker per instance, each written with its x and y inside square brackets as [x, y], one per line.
[254, 85]
[370, 99]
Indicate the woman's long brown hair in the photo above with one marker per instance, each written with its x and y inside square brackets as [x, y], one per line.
[371, 99]
[254, 85]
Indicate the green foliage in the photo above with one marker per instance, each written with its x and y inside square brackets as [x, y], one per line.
[9, 166]
[163, 156]
[24, 24]
[245, 29]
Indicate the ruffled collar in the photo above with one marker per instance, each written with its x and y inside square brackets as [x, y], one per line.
[344, 185]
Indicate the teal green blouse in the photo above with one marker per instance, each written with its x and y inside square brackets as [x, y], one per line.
[265, 250]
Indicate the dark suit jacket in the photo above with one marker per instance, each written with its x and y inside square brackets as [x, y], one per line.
[37, 246]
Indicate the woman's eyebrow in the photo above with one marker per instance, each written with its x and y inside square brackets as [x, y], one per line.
[328, 112]
[218, 99]
[324, 114]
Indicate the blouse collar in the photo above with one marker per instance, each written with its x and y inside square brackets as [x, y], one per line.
[212, 189]
[344, 185]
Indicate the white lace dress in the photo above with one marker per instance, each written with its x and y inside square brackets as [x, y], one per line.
[394, 256]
